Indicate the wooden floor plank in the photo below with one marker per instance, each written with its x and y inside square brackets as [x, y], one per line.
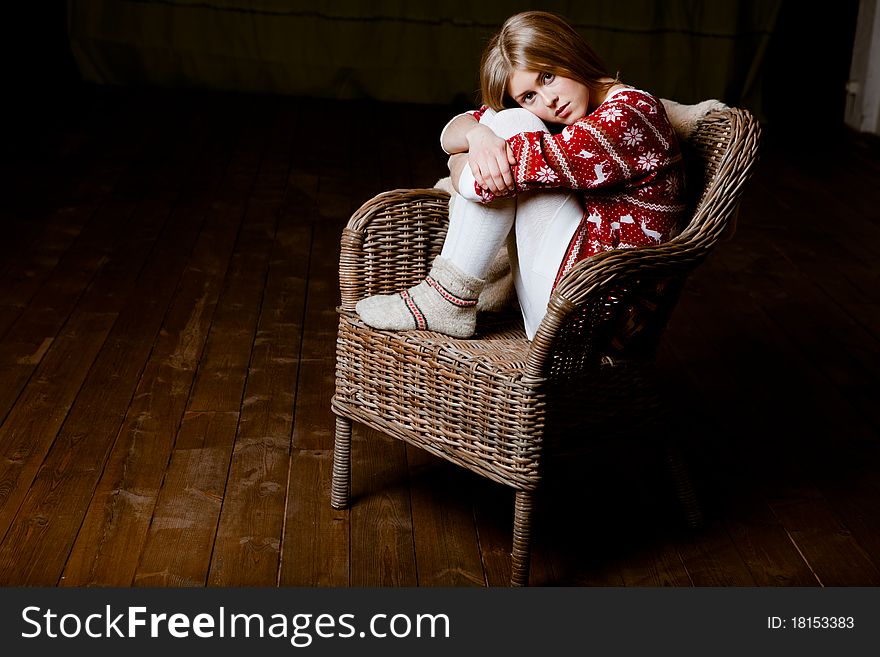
[819, 246]
[177, 549]
[315, 546]
[737, 498]
[64, 485]
[728, 490]
[315, 423]
[772, 418]
[582, 520]
[101, 264]
[382, 551]
[115, 528]
[221, 377]
[109, 543]
[28, 267]
[648, 522]
[849, 481]
[312, 527]
[850, 361]
[29, 430]
[52, 305]
[248, 546]
[834, 555]
[444, 532]
[93, 279]
[316, 549]
[493, 517]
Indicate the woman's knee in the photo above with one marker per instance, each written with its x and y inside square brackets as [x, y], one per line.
[509, 122]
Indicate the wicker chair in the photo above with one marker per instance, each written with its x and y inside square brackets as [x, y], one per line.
[498, 404]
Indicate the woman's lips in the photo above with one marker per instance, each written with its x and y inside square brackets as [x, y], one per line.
[562, 112]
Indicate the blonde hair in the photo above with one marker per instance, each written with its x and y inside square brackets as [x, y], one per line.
[538, 41]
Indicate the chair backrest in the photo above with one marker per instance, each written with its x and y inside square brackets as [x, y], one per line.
[617, 304]
[390, 243]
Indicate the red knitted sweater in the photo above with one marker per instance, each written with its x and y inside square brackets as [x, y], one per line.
[625, 159]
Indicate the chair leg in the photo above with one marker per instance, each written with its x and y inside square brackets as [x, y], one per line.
[340, 489]
[684, 488]
[522, 538]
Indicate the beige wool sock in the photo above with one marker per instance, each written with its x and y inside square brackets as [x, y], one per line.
[446, 302]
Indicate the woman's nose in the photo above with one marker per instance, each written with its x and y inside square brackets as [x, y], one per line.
[550, 99]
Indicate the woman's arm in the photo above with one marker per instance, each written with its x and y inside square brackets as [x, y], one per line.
[453, 139]
[620, 145]
[489, 157]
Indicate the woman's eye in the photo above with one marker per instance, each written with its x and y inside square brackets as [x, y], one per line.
[528, 97]
[548, 78]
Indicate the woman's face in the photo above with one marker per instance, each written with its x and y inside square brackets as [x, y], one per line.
[552, 98]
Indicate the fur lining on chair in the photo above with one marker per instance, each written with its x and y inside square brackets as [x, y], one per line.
[446, 185]
[685, 118]
[499, 292]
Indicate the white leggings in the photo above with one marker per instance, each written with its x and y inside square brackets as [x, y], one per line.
[543, 222]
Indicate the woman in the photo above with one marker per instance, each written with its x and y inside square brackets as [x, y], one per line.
[607, 176]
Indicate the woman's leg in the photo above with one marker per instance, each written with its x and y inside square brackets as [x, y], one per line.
[446, 300]
[545, 224]
[477, 231]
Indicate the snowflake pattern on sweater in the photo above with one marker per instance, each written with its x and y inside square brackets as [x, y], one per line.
[624, 158]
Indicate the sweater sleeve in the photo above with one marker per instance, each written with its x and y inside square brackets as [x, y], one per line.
[627, 141]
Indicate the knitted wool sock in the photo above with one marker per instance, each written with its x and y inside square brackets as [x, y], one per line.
[446, 302]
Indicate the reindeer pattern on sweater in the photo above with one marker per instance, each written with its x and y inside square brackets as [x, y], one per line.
[625, 160]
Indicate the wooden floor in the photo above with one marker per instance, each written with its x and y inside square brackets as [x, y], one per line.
[167, 313]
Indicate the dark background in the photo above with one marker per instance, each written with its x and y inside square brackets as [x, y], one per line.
[805, 69]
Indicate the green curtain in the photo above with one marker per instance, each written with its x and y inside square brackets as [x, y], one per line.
[401, 51]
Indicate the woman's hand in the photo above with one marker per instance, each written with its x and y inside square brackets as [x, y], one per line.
[490, 158]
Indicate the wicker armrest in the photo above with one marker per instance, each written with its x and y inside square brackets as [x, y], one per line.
[725, 146]
[390, 242]
[592, 280]
[728, 142]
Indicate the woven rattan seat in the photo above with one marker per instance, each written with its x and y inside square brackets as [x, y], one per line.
[496, 403]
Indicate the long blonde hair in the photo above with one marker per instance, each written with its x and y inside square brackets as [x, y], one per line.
[538, 41]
